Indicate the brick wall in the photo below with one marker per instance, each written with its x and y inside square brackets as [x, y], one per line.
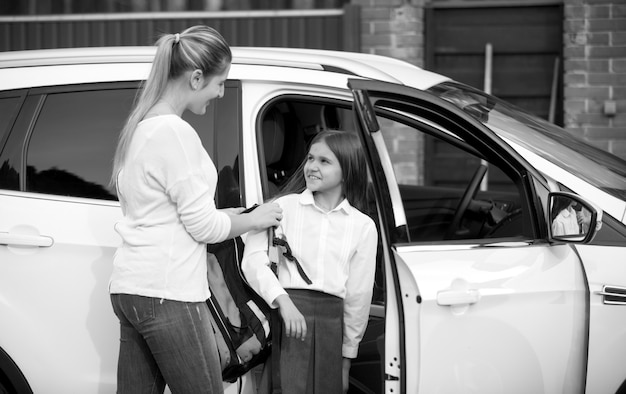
[595, 72]
[594, 59]
[393, 28]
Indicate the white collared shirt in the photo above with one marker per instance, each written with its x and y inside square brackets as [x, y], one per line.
[336, 249]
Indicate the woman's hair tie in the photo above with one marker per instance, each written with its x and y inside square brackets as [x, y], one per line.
[176, 38]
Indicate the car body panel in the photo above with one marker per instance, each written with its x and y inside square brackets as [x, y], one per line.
[605, 266]
[71, 286]
[71, 279]
[364, 65]
[481, 305]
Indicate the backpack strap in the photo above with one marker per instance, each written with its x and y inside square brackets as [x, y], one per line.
[276, 321]
[275, 355]
[273, 251]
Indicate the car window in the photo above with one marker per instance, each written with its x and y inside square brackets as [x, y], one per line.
[71, 147]
[448, 190]
[73, 142]
[220, 130]
[568, 150]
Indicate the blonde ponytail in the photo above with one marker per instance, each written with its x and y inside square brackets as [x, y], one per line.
[196, 48]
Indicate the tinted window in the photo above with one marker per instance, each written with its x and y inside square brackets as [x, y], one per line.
[73, 142]
[568, 151]
[452, 194]
[219, 129]
[71, 148]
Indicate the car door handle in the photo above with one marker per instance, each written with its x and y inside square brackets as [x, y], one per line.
[25, 240]
[613, 295]
[457, 297]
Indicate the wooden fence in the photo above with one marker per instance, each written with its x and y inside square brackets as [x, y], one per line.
[335, 29]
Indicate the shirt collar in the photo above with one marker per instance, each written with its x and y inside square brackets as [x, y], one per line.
[306, 198]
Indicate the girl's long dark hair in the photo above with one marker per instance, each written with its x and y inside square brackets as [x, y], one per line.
[347, 148]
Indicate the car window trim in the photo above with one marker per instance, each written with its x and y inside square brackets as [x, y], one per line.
[21, 95]
[288, 98]
[81, 87]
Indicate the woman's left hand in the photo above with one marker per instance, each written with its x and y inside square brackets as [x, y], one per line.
[345, 374]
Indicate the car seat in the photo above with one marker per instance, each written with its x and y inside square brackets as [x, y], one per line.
[273, 134]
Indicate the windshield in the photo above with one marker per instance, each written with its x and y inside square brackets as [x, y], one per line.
[568, 151]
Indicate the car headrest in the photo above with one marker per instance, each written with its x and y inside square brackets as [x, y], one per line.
[273, 136]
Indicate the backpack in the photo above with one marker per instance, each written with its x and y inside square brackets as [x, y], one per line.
[242, 321]
[240, 317]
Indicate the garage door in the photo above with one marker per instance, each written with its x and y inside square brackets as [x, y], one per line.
[526, 43]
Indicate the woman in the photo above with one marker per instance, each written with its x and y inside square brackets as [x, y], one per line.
[166, 183]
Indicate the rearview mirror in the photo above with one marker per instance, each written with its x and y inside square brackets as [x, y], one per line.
[572, 219]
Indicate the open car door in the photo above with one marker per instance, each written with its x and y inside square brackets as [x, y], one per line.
[477, 300]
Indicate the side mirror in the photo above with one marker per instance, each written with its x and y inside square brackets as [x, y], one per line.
[572, 219]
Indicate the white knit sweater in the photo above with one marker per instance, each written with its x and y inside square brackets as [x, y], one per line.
[166, 190]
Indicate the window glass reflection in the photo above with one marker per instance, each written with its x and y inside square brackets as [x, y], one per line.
[71, 149]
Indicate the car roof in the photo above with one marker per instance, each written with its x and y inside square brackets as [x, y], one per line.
[351, 63]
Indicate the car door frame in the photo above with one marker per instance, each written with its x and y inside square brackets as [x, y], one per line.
[390, 204]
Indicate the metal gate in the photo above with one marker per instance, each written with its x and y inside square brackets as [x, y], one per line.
[335, 29]
[509, 49]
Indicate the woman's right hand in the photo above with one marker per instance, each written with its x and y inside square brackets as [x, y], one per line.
[266, 215]
[295, 325]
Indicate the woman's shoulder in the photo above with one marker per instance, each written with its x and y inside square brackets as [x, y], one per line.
[179, 125]
[172, 129]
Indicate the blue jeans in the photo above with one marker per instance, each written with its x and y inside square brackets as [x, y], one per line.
[165, 342]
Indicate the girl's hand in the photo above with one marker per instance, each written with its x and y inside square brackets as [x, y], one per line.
[266, 215]
[295, 325]
[345, 374]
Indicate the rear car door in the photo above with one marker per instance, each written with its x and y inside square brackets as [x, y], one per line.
[57, 241]
[57, 238]
[477, 299]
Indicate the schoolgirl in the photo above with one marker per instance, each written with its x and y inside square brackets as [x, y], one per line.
[335, 244]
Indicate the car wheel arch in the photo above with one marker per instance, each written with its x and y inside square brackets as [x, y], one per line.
[11, 377]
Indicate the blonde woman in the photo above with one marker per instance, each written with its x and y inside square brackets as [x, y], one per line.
[166, 183]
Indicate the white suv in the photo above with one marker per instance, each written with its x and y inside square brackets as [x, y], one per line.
[473, 292]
